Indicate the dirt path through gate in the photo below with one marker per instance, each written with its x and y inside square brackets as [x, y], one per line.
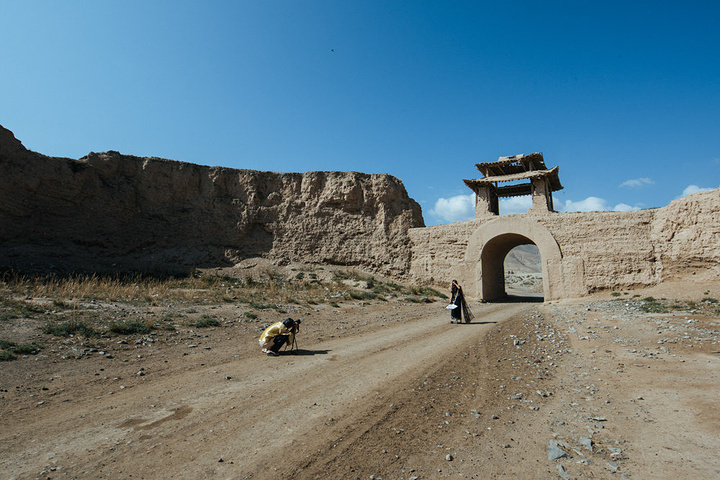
[390, 391]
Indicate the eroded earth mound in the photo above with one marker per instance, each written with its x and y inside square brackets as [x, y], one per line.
[108, 211]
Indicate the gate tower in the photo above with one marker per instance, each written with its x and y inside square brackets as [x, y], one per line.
[542, 182]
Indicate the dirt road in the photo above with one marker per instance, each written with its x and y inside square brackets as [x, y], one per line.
[255, 413]
[388, 391]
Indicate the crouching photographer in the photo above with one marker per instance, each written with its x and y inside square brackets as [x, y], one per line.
[279, 334]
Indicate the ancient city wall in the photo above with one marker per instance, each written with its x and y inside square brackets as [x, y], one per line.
[686, 234]
[611, 248]
[109, 211]
[598, 251]
[113, 211]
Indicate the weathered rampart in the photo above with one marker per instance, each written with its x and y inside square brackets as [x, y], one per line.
[581, 252]
[109, 211]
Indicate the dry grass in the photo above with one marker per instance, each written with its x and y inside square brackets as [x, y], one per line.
[151, 290]
[67, 304]
[95, 309]
[10, 350]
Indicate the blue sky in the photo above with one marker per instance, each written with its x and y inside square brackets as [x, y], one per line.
[623, 96]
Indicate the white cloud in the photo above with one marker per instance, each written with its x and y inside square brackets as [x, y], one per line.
[462, 207]
[690, 189]
[454, 209]
[624, 207]
[592, 204]
[515, 205]
[637, 182]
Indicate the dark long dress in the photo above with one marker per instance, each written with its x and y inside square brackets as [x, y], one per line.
[462, 310]
[457, 299]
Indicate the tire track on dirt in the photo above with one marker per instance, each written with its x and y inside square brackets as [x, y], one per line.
[435, 345]
[250, 415]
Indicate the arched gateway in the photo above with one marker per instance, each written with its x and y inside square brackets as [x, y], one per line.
[488, 246]
[581, 252]
[487, 240]
[490, 243]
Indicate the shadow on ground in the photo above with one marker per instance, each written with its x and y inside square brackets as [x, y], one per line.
[301, 351]
[529, 298]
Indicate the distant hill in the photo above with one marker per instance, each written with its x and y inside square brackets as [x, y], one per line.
[523, 259]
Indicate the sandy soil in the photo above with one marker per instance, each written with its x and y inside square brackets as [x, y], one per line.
[590, 388]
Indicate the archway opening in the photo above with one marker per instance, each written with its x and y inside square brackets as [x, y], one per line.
[523, 273]
[511, 269]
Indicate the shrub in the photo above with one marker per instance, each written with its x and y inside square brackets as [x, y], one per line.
[653, 307]
[9, 350]
[362, 295]
[129, 327]
[17, 309]
[422, 299]
[26, 349]
[432, 292]
[66, 329]
[207, 321]
[260, 306]
[6, 356]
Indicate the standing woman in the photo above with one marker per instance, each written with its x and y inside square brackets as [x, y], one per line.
[461, 307]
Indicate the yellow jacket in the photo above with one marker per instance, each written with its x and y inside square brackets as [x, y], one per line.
[277, 329]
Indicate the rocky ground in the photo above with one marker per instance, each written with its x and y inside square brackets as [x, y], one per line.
[610, 385]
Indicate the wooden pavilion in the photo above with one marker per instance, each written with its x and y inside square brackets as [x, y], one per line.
[541, 182]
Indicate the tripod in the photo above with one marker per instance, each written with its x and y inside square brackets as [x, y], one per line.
[293, 346]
